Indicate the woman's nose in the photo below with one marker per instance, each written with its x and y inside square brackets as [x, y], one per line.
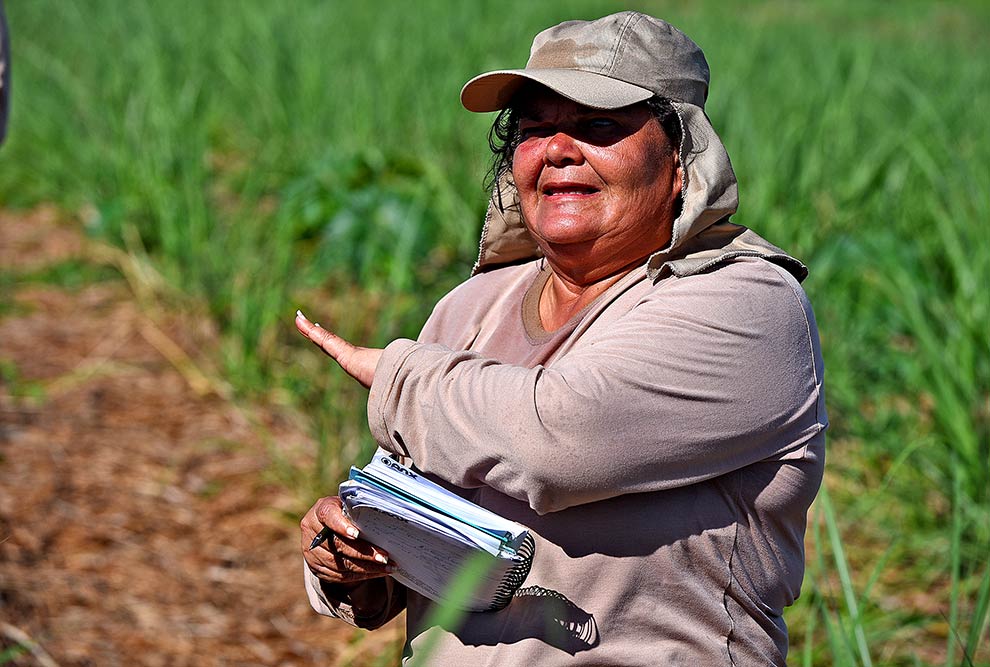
[562, 150]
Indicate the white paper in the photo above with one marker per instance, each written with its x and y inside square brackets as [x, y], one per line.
[429, 532]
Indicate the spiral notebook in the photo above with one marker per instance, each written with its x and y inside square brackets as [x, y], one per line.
[430, 533]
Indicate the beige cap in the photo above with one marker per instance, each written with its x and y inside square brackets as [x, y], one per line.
[608, 63]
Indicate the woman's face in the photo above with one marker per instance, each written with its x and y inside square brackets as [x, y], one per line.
[597, 187]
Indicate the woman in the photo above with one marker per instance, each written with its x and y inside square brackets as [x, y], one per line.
[628, 374]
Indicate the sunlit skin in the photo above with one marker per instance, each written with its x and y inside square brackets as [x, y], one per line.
[344, 560]
[597, 190]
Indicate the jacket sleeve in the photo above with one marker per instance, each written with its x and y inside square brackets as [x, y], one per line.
[333, 601]
[701, 378]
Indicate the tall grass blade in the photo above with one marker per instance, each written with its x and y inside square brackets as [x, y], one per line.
[842, 567]
[955, 563]
[450, 613]
[981, 615]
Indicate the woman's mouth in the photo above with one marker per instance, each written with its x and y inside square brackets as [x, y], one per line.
[568, 189]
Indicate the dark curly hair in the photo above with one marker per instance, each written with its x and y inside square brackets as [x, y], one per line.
[503, 137]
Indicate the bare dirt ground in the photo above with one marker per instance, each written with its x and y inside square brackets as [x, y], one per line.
[139, 521]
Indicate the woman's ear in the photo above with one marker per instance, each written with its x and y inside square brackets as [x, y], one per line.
[677, 182]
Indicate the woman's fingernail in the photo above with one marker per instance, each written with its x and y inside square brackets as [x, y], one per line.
[299, 313]
[352, 532]
[381, 559]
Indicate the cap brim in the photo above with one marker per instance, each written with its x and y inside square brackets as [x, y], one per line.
[493, 91]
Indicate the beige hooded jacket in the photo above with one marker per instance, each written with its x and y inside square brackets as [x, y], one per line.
[664, 446]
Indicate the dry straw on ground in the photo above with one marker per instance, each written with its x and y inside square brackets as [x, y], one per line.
[138, 523]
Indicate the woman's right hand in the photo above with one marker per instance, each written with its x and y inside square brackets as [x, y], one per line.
[343, 558]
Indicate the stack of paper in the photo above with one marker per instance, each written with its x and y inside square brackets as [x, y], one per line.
[430, 533]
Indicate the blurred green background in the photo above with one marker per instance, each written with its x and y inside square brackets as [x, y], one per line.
[267, 156]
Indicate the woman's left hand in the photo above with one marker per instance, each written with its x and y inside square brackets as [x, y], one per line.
[358, 362]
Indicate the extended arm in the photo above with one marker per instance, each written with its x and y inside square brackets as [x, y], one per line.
[358, 362]
[683, 387]
[713, 374]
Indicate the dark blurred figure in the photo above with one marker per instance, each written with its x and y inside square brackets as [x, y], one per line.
[4, 74]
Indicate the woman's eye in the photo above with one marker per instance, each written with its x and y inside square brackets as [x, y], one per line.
[532, 131]
[601, 123]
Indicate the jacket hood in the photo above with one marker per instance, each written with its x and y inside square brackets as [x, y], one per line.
[702, 236]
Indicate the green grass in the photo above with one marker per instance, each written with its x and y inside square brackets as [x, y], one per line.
[268, 156]
[70, 274]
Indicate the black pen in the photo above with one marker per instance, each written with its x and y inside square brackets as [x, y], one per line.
[321, 537]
